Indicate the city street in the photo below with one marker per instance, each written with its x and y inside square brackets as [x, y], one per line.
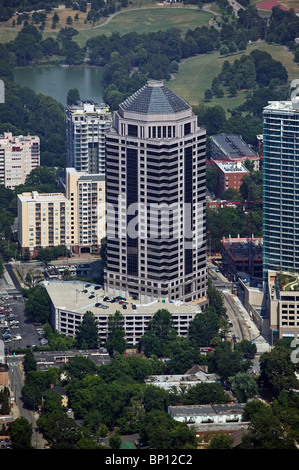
[10, 292]
[16, 381]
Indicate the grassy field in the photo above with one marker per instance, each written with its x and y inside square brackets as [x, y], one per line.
[146, 20]
[143, 16]
[196, 74]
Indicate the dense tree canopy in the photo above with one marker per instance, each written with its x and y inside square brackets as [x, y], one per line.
[21, 433]
[37, 304]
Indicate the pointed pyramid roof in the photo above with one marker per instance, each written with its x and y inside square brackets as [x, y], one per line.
[154, 98]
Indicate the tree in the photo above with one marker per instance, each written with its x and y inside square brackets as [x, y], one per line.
[42, 175]
[213, 119]
[45, 255]
[215, 299]
[247, 126]
[204, 327]
[29, 361]
[155, 398]
[182, 356]
[208, 94]
[247, 349]
[78, 367]
[160, 431]
[116, 341]
[55, 18]
[115, 441]
[159, 335]
[267, 68]
[60, 431]
[267, 432]
[244, 386]
[5, 401]
[74, 53]
[211, 178]
[150, 344]
[37, 305]
[87, 336]
[226, 362]
[232, 89]
[221, 441]
[66, 34]
[231, 194]
[73, 96]
[33, 278]
[21, 433]
[232, 47]
[204, 393]
[224, 50]
[27, 45]
[277, 370]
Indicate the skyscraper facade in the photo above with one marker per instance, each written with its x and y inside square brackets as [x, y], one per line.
[155, 196]
[86, 124]
[281, 186]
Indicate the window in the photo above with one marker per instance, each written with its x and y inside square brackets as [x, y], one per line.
[187, 128]
[132, 130]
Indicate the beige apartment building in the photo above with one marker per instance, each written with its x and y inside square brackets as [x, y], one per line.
[75, 219]
[19, 155]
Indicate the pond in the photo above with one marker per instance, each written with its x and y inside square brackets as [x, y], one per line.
[56, 81]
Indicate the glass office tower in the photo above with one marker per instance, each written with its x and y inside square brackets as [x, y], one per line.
[155, 196]
[281, 186]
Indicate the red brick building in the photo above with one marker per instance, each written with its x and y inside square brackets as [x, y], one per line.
[230, 175]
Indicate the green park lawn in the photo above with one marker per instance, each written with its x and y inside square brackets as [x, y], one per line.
[146, 20]
[196, 74]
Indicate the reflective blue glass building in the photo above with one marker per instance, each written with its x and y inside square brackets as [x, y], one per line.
[281, 186]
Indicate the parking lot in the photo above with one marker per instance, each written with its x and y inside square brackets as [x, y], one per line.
[5, 443]
[15, 330]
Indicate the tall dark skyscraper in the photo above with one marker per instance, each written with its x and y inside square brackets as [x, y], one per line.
[155, 196]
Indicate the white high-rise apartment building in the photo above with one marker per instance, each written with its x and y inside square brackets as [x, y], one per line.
[86, 124]
[19, 155]
[155, 195]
